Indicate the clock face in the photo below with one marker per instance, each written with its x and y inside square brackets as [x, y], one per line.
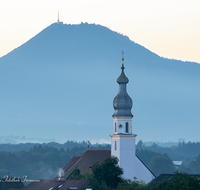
[120, 126]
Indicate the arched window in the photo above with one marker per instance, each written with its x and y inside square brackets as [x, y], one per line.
[115, 127]
[127, 127]
[115, 145]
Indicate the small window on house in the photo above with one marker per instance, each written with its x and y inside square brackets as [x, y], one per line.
[115, 127]
[127, 127]
[115, 145]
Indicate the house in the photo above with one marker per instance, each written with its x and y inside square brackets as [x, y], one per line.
[56, 185]
[85, 163]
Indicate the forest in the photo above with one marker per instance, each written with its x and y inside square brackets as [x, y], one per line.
[44, 161]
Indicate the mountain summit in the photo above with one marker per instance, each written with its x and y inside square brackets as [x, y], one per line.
[61, 84]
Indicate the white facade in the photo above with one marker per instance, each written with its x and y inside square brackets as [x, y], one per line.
[142, 172]
[123, 147]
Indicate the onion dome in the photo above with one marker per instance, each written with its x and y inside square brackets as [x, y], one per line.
[122, 103]
[122, 79]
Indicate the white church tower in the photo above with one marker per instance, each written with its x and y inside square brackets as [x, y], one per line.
[123, 140]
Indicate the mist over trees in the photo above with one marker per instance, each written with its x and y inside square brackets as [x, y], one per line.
[67, 145]
[159, 165]
[47, 159]
[42, 160]
[188, 153]
[180, 152]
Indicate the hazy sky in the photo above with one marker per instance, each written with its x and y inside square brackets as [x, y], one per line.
[170, 28]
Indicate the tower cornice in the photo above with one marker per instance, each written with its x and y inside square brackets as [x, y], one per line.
[123, 117]
[123, 136]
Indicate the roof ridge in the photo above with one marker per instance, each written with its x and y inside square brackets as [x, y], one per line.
[77, 161]
[72, 160]
[81, 157]
[97, 150]
[145, 165]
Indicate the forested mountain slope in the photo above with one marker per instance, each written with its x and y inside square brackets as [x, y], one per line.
[61, 84]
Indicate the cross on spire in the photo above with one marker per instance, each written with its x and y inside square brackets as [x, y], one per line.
[122, 53]
[122, 59]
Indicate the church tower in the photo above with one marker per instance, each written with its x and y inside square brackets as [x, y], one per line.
[123, 140]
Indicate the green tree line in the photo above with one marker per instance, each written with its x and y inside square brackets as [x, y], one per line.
[45, 160]
[40, 162]
[66, 145]
[180, 152]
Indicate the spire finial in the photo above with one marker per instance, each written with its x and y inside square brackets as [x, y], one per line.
[122, 60]
[58, 18]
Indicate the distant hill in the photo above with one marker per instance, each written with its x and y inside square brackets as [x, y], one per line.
[61, 84]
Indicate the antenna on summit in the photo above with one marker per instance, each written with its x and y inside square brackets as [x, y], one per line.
[58, 18]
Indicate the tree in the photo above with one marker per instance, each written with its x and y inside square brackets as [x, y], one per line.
[180, 182]
[76, 175]
[146, 155]
[139, 145]
[159, 165]
[184, 169]
[164, 185]
[185, 182]
[195, 164]
[132, 185]
[107, 174]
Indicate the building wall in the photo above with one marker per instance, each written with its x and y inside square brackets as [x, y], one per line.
[143, 173]
[124, 150]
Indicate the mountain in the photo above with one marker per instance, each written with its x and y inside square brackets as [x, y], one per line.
[61, 83]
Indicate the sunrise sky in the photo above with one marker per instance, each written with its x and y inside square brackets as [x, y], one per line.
[169, 28]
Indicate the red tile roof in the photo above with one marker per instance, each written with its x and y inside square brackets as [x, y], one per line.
[43, 185]
[55, 184]
[86, 162]
[71, 163]
[73, 183]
